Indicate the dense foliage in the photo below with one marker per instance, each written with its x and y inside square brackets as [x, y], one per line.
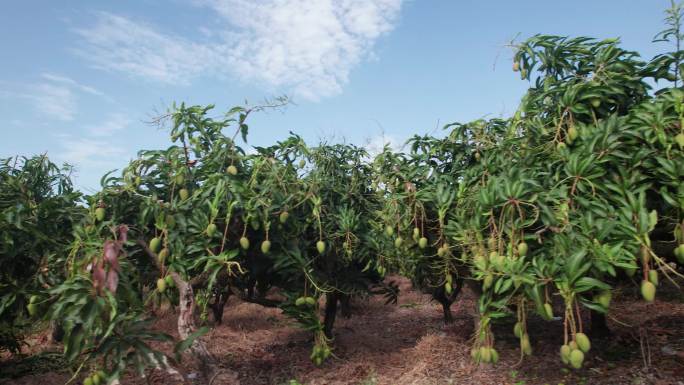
[544, 212]
[38, 209]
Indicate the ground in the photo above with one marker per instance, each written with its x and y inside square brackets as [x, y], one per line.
[407, 344]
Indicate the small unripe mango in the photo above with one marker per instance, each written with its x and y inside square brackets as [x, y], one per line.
[648, 290]
[576, 358]
[211, 229]
[583, 342]
[265, 246]
[244, 243]
[100, 214]
[422, 242]
[398, 242]
[517, 329]
[163, 254]
[183, 194]
[548, 310]
[525, 344]
[32, 309]
[155, 244]
[565, 353]
[389, 230]
[653, 277]
[161, 285]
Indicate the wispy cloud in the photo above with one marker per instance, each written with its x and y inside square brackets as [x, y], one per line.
[88, 152]
[54, 96]
[53, 100]
[95, 150]
[70, 82]
[120, 44]
[114, 123]
[307, 47]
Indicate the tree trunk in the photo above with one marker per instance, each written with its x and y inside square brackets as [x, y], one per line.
[331, 300]
[186, 326]
[219, 304]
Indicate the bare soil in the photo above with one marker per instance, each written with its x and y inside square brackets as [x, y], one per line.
[407, 344]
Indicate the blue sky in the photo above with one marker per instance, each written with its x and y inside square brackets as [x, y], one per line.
[79, 79]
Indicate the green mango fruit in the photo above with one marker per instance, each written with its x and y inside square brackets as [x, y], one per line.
[653, 277]
[32, 309]
[389, 230]
[100, 214]
[680, 140]
[648, 290]
[265, 246]
[163, 254]
[576, 358]
[583, 342]
[183, 194]
[211, 229]
[244, 243]
[155, 245]
[485, 354]
[565, 351]
[517, 329]
[679, 253]
[398, 242]
[548, 310]
[525, 344]
[495, 356]
[422, 242]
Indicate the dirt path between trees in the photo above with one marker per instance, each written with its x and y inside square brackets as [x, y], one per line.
[407, 344]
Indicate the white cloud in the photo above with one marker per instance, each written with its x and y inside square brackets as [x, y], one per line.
[375, 145]
[70, 82]
[55, 97]
[308, 47]
[120, 44]
[53, 100]
[88, 152]
[116, 122]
